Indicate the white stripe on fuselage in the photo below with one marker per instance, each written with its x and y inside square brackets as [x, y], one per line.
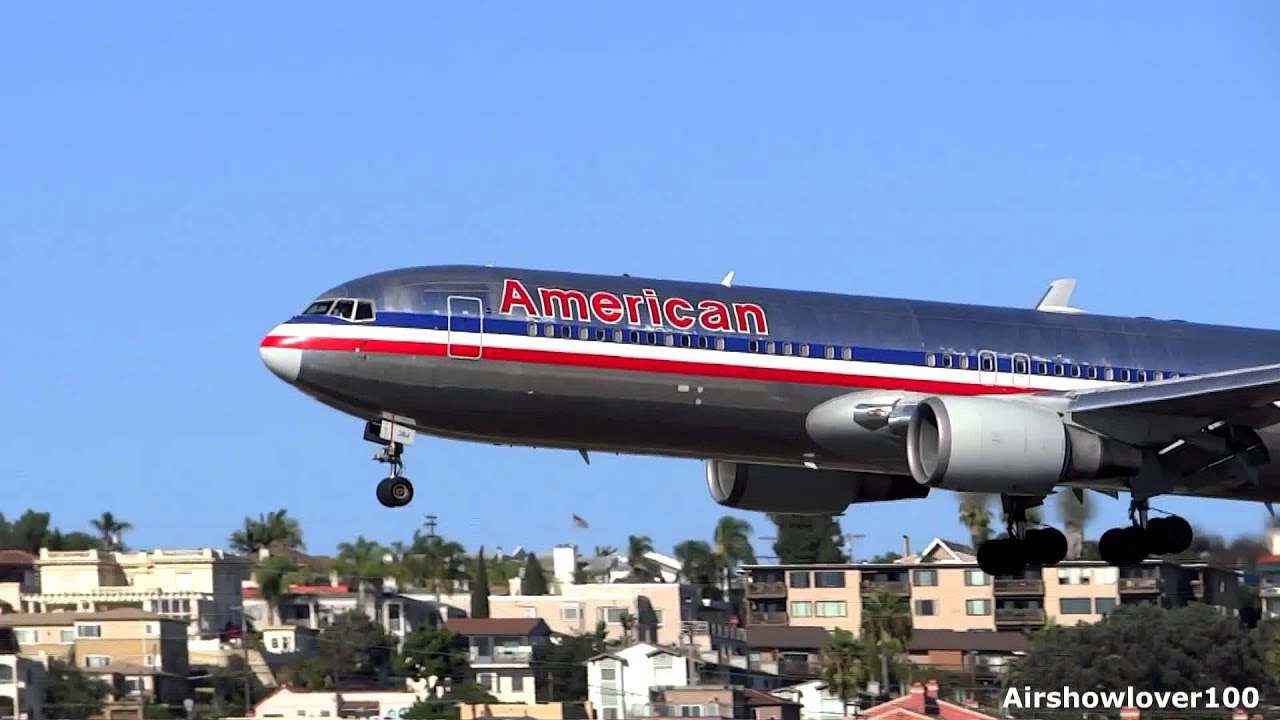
[699, 355]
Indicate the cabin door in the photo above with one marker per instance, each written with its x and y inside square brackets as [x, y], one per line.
[465, 337]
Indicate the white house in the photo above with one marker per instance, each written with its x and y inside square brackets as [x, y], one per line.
[292, 703]
[816, 701]
[621, 680]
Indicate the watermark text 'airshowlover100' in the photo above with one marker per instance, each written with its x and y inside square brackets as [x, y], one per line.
[1228, 698]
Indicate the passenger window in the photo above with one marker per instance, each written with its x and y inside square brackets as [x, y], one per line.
[1174, 376]
[1042, 368]
[988, 363]
[1142, 376]
[1093, 373]
[804, 350]
[702, 342]
[754, 346]
[584, 333]
[651, 338]
[549, 330]
[786, 348]
[668, 339]
[1057, 369]
[846, 353]
[617, 336]
[1109, 374]
[1157, 375]
[364, 310]
[719, 343]
[533, 329]
[1075, 371]
[566, 332]
[830, 352]
[770, 348]
[1020, 366]
[601, 334]
[930, 360]
[964, 362]
[1124, 375]
[344, 309]
[947, 361]
[633, 337]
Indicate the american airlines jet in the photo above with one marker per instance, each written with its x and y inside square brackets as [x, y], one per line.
[806, 402]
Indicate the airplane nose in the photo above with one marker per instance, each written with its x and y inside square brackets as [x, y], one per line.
[284, 363]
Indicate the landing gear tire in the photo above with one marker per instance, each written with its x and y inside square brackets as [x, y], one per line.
[395, 491]
[1002, 556]
[1124, 546]
[1045, 547]
[1178, 535]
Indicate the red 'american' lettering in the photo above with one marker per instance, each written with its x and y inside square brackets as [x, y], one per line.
[647, 308]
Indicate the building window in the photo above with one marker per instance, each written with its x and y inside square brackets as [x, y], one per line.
[924, 607]
[800, 579]
[1104, 605]
[1075, 606]
[6, 674]
[95, 661]
[828, 579]
[974, 578]
[89, 631]
[517, 683]
[570, 613]
[150, 629]
[612, 614]
[151, 661]
[690, 711]
[924, 578]
[608, 672]
[610, 713]
[68, 635]
[977, 607]
[486, 680]
[27, 636]
[832, 608]
[662, 662]
[802, 609]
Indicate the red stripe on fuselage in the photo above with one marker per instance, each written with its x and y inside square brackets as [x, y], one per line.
[634, 364]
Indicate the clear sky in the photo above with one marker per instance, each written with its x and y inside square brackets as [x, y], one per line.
[175, 180]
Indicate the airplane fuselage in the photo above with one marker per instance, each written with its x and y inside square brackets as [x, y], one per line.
[700, 370]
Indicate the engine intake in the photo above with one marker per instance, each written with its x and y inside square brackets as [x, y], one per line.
[802, 491]
[976, 444]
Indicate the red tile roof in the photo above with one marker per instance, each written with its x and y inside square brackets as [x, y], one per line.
[498, 626]
[17, 557]
[912, 707]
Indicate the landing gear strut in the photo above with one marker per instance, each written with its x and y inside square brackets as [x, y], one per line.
[1037, 546]
[395, 490]
[1131, 545]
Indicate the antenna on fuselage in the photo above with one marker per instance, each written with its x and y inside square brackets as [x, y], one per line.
[728, 280]
[1058, 297]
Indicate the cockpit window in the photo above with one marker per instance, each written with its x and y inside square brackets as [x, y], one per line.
[319, 307]
[364, 310]
[345, 309]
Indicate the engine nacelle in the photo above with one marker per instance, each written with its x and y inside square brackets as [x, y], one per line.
[977, 444]
[800, 490]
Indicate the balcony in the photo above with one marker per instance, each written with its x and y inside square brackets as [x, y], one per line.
[503, 656]
[762, 617]
[767, 589]
[1140, 585]
[892, 587]
[1018, 586]
[799, 669]
[1019, 616]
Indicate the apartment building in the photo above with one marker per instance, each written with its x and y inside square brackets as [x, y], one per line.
[501, 653]
[200, 587]
[148, 652]
[315, 606]
[655, 610]
[945, 590]
[17, 576]
[22, 681]
[790, 651]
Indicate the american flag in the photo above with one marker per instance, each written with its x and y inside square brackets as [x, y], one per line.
[578, 522]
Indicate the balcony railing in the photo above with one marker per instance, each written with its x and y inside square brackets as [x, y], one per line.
[1019, 616]
[1139, 585]
[696, 628]
[502, 656]
[893, 587]
[759, 617]
[767, 589]
[1018, 586]
[799, 669]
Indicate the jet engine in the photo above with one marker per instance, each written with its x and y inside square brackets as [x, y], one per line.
[800, 490]
[976, 444]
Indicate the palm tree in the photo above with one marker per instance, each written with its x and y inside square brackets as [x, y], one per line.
[112, 531]
[432, 563]
[605, 550]
[273, 529]
[638, 548]
[363, 563]
[975, 515]
[1075, 514]
[843, 668]
[699, 566]
[886, 627]
[274, 574]
[733, 546]
[628, 623]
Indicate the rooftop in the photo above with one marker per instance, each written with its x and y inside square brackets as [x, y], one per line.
[54, 619]
[786, 637]
[970, 640]
[498, 626]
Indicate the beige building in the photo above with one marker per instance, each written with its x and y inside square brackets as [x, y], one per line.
[199, 587]
[501, 654]
[22, 681]
[946, 591]
[147, 652]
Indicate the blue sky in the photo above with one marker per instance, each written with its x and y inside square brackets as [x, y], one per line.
[176, 180]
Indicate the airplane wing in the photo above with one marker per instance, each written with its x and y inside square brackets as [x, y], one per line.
[1246, 397]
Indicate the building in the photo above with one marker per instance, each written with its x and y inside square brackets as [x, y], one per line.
[501, 652]
[816, 700]
[945, 590]
[199, 587]
[721, 701]
[619, 682]
[22, 681]
[287, 639]
[985, 655]
[922, 702]
[288, 702]
[17, 576]
[791, 652]
[315, 607]
[148, 652]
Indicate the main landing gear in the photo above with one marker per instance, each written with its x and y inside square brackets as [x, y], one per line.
[1037, 546]
[1168, 535]
[395, 490]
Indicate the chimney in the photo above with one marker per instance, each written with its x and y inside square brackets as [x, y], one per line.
[906, 546]
[917, 688]
[931, 688]
[1239, 714]
[1129, 713]
[564, 562]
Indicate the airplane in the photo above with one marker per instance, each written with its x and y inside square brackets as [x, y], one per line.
[806, 402]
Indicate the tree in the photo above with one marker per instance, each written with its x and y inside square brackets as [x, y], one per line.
[733, 545]
[274, 574]
[808, 539]
[273, 529]
[886, 629]
[363, 565]
[1076, 514]
[886, 558]
[72, 694]
[843, 668]
[112, 530]
[432, 650]
[975, 516]
[559, 669]
[1186, 649]
[352, 651]
[699, 566]
[480, 589]
[431, 562]
[33, 531]
[643, 569]
[534, 581]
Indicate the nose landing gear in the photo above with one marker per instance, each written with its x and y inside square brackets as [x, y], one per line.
[395, 490]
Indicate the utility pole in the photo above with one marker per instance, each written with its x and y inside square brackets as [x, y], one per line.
[431, 526]
[248, 668]
[848, 543]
